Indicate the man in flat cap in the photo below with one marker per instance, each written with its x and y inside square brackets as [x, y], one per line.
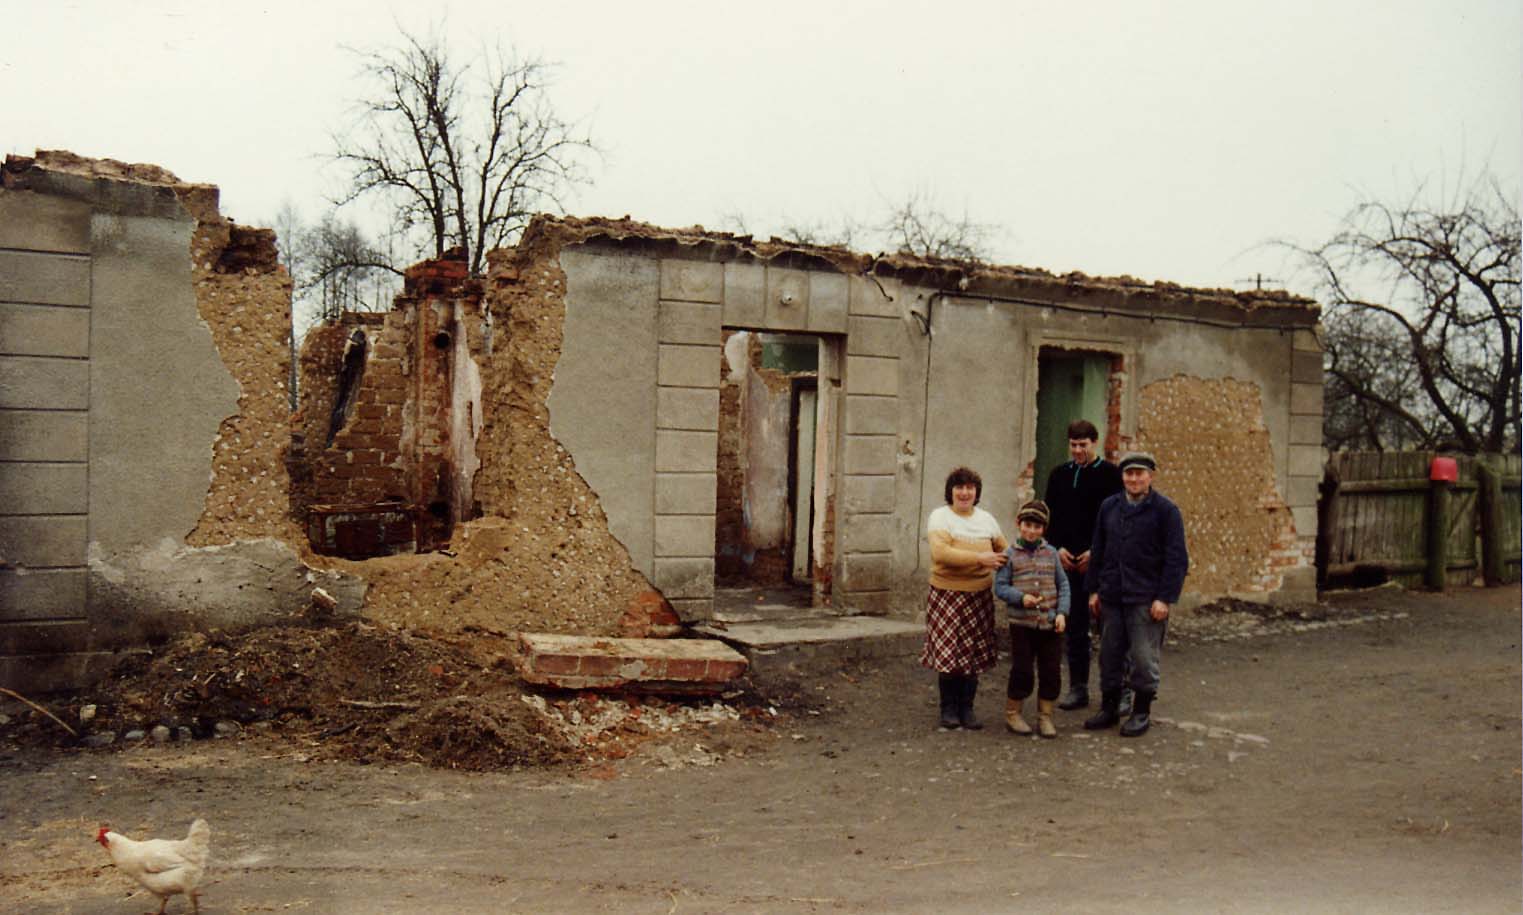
[1137, 569]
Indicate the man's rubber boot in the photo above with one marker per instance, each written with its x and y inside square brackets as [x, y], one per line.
[965, 710]
[1137, 723]
[1044, 725]
[1127, 698]
[1013, 719]
[1109, 714]
[1076, 697]
[951, 693]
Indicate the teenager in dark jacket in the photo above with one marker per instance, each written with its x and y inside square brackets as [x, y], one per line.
[1074, 493]
[1137, 568]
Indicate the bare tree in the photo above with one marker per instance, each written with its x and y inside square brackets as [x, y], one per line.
[918, 226]
[334, 268]
[288, 227]
[462, 151]
[1422, 321]
[343, 270]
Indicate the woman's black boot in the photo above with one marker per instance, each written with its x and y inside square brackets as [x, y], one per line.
[950, 686]
[965, 709]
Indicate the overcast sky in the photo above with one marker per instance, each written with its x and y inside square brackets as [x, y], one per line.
[1165, 140]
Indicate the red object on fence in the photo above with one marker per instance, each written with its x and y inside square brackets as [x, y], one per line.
[1444, 470]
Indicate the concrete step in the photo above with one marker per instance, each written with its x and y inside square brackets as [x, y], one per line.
[806, 646]
[755, 605]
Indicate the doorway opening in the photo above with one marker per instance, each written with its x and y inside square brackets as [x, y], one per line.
[1074, 384]
[772, 550]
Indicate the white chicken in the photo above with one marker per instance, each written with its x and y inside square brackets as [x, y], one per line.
[163, 866]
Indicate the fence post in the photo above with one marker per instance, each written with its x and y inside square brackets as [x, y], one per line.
[1489, 481]
[1441, 476]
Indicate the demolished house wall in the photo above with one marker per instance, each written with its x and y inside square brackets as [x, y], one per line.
[1228, 399]
[939, 369]
[150, 369]
[529, 544]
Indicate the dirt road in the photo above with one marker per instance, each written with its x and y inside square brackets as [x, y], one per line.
[1366, 763]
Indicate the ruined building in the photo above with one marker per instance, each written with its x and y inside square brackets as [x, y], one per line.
[618, 429]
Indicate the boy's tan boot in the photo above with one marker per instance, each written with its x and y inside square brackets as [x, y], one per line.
[1044, 725]
[1013, 719]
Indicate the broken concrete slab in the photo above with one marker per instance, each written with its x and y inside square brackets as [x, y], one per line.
[650, 665]
[814, 644]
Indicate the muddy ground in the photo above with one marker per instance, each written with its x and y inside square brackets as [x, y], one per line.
[1361, 758]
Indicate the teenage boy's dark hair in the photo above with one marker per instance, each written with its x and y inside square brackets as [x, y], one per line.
[1083, 428]
[962, 476]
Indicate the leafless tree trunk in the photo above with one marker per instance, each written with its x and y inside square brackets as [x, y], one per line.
[1422, 321]
[466, 152]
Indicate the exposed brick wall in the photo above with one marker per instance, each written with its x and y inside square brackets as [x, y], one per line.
[1115, 443]
[364, 462]
[1215, 462]
[542, 557]
[729, 504]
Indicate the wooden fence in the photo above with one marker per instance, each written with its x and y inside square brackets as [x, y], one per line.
[1380, 517]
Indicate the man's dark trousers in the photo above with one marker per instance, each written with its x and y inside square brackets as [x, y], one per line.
[1078, 631]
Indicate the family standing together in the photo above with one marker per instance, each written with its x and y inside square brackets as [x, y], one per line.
[1103, 546]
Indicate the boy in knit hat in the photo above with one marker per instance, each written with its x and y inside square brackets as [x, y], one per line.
[1035, 588]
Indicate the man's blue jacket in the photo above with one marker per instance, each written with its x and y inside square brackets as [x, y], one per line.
[1138, 551]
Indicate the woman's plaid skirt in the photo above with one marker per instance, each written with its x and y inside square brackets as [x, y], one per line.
[959, 631]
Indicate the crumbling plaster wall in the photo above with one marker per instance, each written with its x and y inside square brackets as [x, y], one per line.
[1218, 467]
[183, 360]
[1245, 397]
[542, 556]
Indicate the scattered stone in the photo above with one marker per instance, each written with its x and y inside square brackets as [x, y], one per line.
[1218, 733]
[228, 729]
[184, 734]
[86, 714]
[160, 734]
[4, 719]
[1233, 756]
[1254, 738]
[101, 739]
[134, 735]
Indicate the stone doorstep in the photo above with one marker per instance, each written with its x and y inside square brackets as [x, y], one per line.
[772, 613]
[654, 665]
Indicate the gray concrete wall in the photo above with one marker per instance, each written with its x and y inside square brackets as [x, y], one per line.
[112, 395]
[603, 404]
[912, 405]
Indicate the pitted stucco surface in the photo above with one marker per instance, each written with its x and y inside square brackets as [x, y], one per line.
[1261, 357]
[603, 400]
[158, 390]
[1215, 462]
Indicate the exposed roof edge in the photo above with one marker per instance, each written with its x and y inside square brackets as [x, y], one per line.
[955, 279]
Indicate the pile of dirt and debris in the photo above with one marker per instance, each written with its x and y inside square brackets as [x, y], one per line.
[363, 693]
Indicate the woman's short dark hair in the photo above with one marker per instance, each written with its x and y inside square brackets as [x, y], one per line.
[1083, 428]
[961, 476]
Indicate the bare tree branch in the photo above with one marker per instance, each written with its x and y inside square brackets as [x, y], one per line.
[465, 150]
[1434, 357]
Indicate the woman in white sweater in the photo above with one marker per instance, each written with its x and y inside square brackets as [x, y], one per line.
[967, 546]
